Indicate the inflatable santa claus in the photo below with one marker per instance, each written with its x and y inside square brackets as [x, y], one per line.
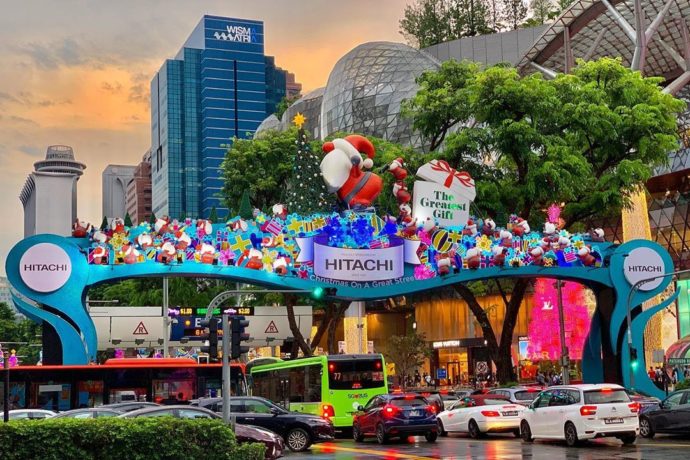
[343, 167]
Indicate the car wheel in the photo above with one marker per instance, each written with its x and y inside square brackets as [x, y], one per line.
[526, 432]
[570, 433]
[516, 432]
[473, 429]
[298, 440]
[628, 439]
[431, 436]
[381, 436]
[646, 430]
[357, 434]
[441, 430]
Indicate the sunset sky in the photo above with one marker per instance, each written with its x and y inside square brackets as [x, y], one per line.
[78, 72]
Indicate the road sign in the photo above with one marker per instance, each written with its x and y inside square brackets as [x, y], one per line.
[682, 361]
[271, 328]
[140, 329]
[441, 373]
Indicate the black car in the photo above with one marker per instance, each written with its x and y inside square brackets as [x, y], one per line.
[129, 406]
[299, 430]
[672, 416]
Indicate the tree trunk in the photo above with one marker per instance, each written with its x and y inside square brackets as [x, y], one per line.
[290, 301]
[331, 342]
[500, 353]
[323, 325]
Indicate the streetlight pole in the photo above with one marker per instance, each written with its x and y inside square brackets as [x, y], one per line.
[565, 359]
[166, 320]
[226, 368]
[633, 290]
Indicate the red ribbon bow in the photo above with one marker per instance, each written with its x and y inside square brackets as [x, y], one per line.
[462, 176]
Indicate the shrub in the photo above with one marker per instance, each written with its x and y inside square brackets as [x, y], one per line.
[684, 385]
[164, 438]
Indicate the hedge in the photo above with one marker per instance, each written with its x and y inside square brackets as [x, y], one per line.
[164, 438]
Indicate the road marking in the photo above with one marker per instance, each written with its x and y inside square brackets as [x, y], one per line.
[329, 447]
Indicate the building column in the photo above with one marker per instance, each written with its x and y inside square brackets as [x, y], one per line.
[355, 329]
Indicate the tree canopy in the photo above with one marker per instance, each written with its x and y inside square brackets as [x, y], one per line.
[587, 140]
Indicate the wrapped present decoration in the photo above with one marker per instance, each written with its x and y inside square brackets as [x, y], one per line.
[440, 172]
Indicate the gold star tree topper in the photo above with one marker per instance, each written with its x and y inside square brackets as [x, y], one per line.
[299, 120]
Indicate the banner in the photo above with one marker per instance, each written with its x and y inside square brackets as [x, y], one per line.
[359, 264]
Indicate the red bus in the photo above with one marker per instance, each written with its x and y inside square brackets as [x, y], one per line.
[161, 380]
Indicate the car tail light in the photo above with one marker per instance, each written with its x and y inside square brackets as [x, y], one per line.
[431, 409]
[389, 410]
[634, 407]
[490, 413]
[588, 410]
[327, 411]
[410, 396]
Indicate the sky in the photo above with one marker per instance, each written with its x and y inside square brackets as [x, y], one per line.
[78, 73]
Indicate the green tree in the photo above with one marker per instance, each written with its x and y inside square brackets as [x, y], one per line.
[213, 216]
[104, 223]
[541, 12]
[245, 210]
[407, 352]
[153, 218]
[261, 166]
[283, 105]
[306, 190]
[470, 18]
[23, 332]
[514, 13]
[587, 139]
[128, 220]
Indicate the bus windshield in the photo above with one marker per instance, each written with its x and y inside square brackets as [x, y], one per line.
[355, 374]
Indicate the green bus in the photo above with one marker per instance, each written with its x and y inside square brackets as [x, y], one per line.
[329, 386]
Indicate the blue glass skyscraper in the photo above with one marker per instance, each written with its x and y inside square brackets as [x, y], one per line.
[214, 90]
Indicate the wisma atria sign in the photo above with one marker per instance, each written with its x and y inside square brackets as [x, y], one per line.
[240, 34]
[641, 264]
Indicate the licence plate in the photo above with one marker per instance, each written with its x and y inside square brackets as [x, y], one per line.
[611, 421]
[415, 413]
[512, 413]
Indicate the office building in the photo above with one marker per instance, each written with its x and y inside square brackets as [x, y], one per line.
[138, 200]
[276, 85]
[294, 89]
[115, 180]
[49, 195]
[212, 91]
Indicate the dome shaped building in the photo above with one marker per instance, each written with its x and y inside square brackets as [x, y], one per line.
[366, 87]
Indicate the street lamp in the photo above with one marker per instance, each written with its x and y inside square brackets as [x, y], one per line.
[633, 290]
[565, 358]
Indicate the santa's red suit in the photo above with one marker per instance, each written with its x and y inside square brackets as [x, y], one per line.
[342, 166]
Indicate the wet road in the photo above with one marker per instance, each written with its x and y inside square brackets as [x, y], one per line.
[499, 447]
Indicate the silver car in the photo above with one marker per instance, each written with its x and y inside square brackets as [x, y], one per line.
[517, 395]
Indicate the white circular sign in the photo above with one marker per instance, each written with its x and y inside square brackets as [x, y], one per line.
[641, 264]
[45, 267]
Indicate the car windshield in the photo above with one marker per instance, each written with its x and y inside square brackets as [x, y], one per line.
[405, 402]
[355, 375]
[526, 395]
[606, 396]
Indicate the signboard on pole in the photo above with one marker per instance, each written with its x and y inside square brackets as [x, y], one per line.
[643, 263]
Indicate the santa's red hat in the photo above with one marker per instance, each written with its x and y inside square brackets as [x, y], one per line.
[360, 143]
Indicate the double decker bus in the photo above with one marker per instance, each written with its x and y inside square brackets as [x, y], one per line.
[329, 386]
[161, 380]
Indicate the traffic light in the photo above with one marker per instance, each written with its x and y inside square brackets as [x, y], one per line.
[212, 337]
[633, 358]
[238, 336]
[318, 293]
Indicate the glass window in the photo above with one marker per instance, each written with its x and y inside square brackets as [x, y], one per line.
[494, 402]
[356, 374]
[543, 400]
[673, 400]
[189, 413]
[525, 395]
[106, 414]
[83, 415]
[373, 402]
[606, 396]
[256, 407]
[19, 416]
[159, 413]
[413, 402]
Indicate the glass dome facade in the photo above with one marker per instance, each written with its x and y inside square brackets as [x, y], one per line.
[366, 87]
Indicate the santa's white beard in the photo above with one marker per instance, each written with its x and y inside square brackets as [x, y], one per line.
[335, 169]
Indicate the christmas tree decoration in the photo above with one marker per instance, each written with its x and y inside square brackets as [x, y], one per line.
[544, 341]
[246, 210]
[306, 194]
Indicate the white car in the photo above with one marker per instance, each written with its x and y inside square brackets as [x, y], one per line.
[579, 412]
[31, 414]
[478, 415]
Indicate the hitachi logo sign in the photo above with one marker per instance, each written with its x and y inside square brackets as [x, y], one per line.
[357, 264]
[45, 267]
[646, 268]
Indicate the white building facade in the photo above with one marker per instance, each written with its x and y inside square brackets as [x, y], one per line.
[115, 181]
